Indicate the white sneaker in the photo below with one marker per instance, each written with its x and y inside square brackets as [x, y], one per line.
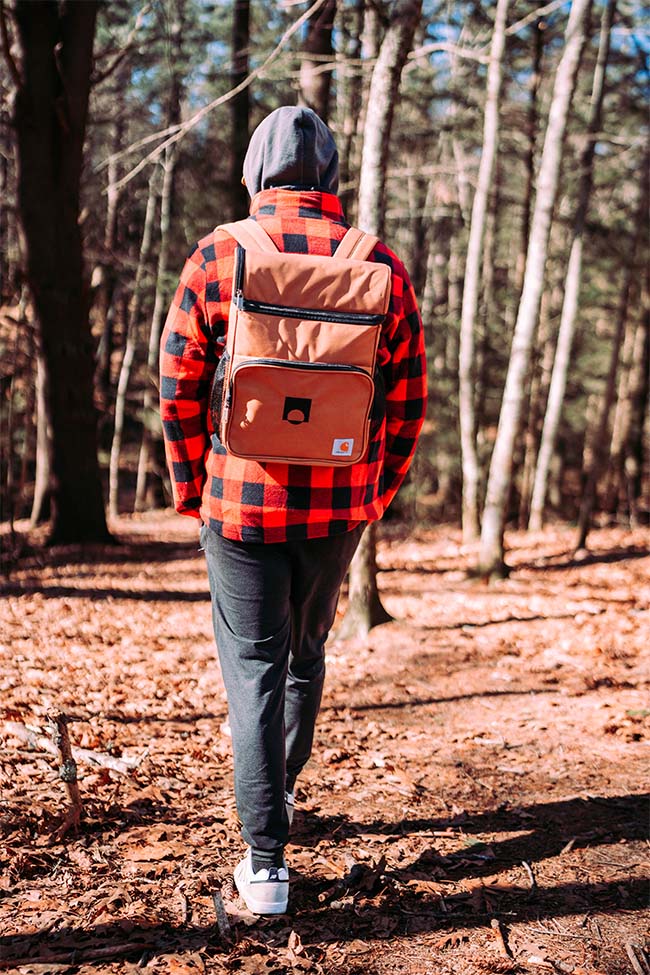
[264, 892]
[290, 803]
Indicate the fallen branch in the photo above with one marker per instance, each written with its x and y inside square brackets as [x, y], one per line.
[75, 955]
[38, 740]
[499, 937]
[638, 958]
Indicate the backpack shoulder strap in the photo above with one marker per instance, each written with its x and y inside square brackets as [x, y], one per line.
[250, 235]
[356, 244]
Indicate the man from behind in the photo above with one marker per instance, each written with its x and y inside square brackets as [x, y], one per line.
[279, 536]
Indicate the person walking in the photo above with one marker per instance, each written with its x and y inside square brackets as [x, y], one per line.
[279, 537]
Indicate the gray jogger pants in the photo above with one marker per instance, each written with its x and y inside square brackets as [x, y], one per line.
[272, 608]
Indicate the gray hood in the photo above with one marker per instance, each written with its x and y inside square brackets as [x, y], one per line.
[292, 148]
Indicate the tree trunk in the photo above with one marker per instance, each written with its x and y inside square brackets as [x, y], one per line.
[56, 42]
[500, 476]
[572, 281]
[639, 418]
[370, 43]
[631, 362]
[129, 350]
[600, 440]
[466, 365]
[151, 431]
[384, 86]
[349, 97]
[365, 608]
[42, 479]
[29, 434]
[239, 108]
[315, 83]
[539, 386]
[150, 415]
[531, 139]
[106, 269]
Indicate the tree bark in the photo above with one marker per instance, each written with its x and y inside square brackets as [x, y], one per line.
[600, 440]
[106, 269]
[539, 386]
[366, 609]
[631, 363]
[42, 479]
[531, 139]
[151, 432]
[129, 350]
[572, 281]
[384, 87]
[315, 83]
[150, 400]
[239, 108]
[466, 370]
[349, 97]
[637, 444]
[500, 476]
[56, 42]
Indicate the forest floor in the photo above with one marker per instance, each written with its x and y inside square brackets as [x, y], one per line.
[476, 802]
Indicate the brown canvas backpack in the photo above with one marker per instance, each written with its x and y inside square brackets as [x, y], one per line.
[295, 382]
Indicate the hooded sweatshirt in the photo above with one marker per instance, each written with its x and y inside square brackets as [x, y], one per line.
[292, 148]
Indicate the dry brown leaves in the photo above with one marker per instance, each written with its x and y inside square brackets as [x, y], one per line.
[493, 735]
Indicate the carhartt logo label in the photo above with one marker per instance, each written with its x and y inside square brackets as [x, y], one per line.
[342, 448]
[296, 410]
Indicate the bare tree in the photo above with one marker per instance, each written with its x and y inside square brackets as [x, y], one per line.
[500, 476]
[466, 370]
[600, 439]
[151, 417]
[129, 350]
[365, 609]
[55, 42]
[315, 73]
[239, 107]
[572, 279]
[349, 91]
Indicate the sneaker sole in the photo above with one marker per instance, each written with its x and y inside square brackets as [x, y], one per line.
[260, 905]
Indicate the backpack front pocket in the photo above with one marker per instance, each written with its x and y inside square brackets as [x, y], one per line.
[297, 412]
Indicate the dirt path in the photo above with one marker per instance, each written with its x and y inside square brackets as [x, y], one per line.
[477, 801]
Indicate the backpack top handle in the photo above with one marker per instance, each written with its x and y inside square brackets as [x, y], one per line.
[356, 244]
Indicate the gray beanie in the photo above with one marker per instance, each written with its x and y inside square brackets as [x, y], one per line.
[292, 148]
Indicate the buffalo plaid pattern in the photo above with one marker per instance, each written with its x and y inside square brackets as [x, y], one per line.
[247, 501]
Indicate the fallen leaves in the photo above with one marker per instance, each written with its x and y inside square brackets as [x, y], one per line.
[456, 747]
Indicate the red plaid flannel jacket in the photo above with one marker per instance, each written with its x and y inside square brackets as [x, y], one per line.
[247, 501]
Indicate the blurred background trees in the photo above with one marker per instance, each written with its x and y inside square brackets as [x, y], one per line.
[79, 328]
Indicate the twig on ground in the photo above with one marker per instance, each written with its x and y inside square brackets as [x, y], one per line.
[76, 955]
[499, 937]
[638, 958]
[222, 918]
[67, 772]
[35, 738]
[531, 876]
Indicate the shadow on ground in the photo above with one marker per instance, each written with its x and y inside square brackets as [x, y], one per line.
[544, 830]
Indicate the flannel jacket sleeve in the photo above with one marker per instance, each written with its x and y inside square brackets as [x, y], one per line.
[188, 359]
[405, 377]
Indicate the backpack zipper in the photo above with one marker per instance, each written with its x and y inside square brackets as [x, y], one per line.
[287, 311]
[308, 314]
[296, 364]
